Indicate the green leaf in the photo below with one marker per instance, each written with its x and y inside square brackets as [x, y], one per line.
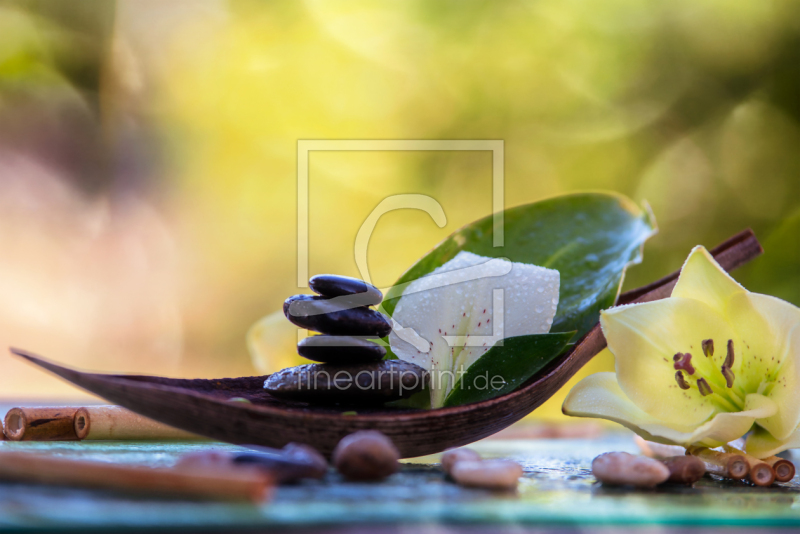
[505, 367]
[590, 238]
[421, 400]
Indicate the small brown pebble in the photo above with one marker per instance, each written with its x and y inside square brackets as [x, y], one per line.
[366, 455]
[449, 458]
[685, 469]
[621, 468]
[489, 474]
[318, 465]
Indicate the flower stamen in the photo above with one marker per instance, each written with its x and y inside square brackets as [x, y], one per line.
[726, 366]
[708, 347]
[704, 388]
[729, 358]
[683, 361]
[682, 383]
[729, 376]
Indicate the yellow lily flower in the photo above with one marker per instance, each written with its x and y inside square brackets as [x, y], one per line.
[702, 367]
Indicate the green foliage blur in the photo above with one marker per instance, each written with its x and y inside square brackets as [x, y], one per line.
[193, 110]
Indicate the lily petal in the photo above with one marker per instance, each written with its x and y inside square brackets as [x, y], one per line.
[645, 337]
[726, 427]
[761, 444]
[600, 396]
[703, 279]
[272, 342]
[770, 338]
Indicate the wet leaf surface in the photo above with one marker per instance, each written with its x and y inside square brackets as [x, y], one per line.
[512, 363]
[589, 238]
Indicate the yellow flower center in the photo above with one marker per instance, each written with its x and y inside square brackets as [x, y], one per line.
[717, 385]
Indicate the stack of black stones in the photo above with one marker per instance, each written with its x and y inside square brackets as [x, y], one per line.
[352, 369]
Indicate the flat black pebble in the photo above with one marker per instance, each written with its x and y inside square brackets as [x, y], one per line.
[340, 349]
[329, 384]
[293, 462]
[331, 285]
[326, 316]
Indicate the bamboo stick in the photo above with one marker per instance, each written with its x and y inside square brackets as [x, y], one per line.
[117, 423]
[725, 464]
[41, 424]
[230, 484]
[761, 473]
[784, 469]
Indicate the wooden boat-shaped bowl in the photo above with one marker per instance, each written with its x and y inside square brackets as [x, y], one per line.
[204, 406]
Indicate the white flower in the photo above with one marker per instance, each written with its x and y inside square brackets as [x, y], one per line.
[704, 366]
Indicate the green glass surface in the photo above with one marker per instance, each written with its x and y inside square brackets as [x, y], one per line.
[557, 489]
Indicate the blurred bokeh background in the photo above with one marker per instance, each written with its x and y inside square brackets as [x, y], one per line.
[148, 151]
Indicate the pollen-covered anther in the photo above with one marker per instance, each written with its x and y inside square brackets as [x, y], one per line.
[682, 383]
[729, 358]
[708, 347]
[729, 376]
[704, 388]
[683, 362]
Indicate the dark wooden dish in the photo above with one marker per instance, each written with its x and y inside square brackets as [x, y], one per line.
[202, 406]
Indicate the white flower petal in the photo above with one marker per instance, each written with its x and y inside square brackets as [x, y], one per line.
[705, 304]
[645, 337]
[703, 279]
[762, 444]
[600, 396]
[726, 427]
[452, 310]
[768, 344]
[272, 342]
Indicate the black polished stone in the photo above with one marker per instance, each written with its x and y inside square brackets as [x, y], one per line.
[370, 383]
[295, 461]
[331, 285]
[340, 349]
[333, 317]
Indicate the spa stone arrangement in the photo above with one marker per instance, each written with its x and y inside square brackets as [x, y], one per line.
[550, 326]
[351, 368]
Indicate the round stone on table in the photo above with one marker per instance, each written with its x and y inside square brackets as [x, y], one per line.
[340, 349]
[353, 384]
[331, 285]
[327, 316]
